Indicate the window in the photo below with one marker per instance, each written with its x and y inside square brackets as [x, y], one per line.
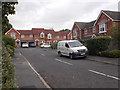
[22, 36]
[85, 31]
[64, 37]
[42, 35]
[31, 35]
[58, 37]
[49, 36]
[102, 28]
[94, 30]
[13, 35]
[75, 33]
[66, 45]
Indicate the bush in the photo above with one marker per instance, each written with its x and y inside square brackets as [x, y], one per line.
[111, 54]
[54, 45]
[10, 49]
[8, 40]
[97, 44]
[82, 41]
[8, 80]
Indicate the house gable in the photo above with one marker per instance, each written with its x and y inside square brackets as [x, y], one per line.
[12, 30]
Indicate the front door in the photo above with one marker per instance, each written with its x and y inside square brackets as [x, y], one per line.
[36, 43]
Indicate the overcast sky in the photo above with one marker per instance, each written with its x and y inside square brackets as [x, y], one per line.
[57, 14]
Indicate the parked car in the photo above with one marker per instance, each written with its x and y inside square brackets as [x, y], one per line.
[71, 48]
[32, 45]
[45, 45]
[25, 45]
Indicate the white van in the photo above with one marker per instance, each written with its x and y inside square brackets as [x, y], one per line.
[71, 48]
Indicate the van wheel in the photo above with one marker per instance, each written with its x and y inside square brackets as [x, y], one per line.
[59, 53]
[71, 56]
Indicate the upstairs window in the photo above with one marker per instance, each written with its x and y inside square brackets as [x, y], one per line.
[13, 35]
[64, 37]
[75, 33]
[58, 37]
[49, 36]
[31, 35]
[42, 35]
[102, 28]
[85, 31]
[22, 36]
[94, 30]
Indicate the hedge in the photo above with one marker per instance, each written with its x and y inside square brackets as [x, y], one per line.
[111, 54]
[8, 40]
[10, 49]
[97, 44]
[8, 80]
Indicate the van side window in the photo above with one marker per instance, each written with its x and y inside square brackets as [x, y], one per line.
[66, 45]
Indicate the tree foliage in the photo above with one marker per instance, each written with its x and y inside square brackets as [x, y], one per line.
[64, 30]
[7, 9]
[116, 35]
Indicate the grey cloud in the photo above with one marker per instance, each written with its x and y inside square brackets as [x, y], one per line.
[55, 14]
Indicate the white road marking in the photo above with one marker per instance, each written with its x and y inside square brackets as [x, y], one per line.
[43, 54]
[63, 61]
[40, 77]
[104, 74]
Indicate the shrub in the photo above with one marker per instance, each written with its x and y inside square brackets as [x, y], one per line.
[10, 49]
[97, 44]
[8, 40]
[8, 80]
[111, 54]
[82, 41]
[54, 45]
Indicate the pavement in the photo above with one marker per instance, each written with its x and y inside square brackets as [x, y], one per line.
[105, 60]
[25, 76]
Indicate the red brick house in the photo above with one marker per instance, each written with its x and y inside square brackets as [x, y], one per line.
[105, 21]
[82, 29]
[37, 36]
[101, 26]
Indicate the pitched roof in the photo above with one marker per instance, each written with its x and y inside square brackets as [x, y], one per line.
[37, 30]
[115, 15]
[62, 33]
[83, 25]
[25, 31]
[90, 24]
[47, 31]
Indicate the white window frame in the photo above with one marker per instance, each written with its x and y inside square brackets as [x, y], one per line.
[94, 30]
[22, 36]
[42, 35]
[85, 31]
[65, 37]
[13, 35]
[49, 36]
[31, 35]
[75, 33]
[58, 37]
[102, 28]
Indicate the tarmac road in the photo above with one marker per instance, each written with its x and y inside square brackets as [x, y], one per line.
[62, 72]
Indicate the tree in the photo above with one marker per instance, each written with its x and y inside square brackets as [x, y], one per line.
[7, 8]
[64, 30]
[116, 35]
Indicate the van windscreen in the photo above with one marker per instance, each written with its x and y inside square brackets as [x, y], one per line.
[75, 44]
